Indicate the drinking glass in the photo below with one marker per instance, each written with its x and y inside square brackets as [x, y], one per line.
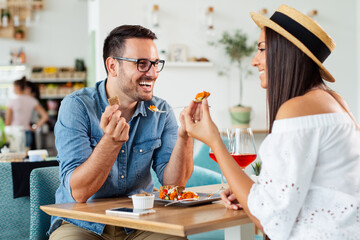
[242, 146]
[225, 136]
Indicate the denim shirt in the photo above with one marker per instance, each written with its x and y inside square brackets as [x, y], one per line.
[152, 137]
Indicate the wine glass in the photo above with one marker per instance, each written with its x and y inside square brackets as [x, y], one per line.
[242, 146]
[225, 136]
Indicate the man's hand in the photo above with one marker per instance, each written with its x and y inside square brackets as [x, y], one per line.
[229, 200]
[182, 129]
[114, 125]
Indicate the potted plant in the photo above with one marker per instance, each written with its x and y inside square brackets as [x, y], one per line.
[236, 46]
[19, 34]
[256, 169]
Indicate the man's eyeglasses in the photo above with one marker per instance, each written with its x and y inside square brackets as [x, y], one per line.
[144, 65]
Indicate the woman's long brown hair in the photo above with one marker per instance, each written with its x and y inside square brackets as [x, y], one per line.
[290, 72]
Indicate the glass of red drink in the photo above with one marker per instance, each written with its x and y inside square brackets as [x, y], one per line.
[225, 136]
[243, 148]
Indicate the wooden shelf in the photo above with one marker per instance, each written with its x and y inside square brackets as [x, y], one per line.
[60, 96]
[260, 131]
[22, 3]
[57, 80]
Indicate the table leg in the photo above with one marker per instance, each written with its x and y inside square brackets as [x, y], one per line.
[242, 232]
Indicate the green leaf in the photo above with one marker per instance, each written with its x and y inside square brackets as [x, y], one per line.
[256, 168]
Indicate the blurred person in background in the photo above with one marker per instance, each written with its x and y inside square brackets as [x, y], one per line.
[32, 90]
[19, 111]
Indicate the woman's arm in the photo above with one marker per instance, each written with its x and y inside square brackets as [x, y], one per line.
[8, 116]
[43, 116]
[206, 131]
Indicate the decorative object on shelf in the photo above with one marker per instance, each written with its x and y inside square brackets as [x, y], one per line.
[16, 19]
[79, 65]
[155, 16]
[210, 32]
[19, 34]
[5, 17]
[201, 59]
[178, 53]
[263, 11]
[17, 56]
[163, 55]
[237, 48]
[313, 13]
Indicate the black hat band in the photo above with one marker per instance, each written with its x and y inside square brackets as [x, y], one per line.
[310, 40]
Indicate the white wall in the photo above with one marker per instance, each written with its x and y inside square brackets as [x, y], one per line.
[183, 22]
[57, 38]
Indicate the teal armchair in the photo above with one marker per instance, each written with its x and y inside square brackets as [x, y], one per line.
[14, 213]
[43, 185]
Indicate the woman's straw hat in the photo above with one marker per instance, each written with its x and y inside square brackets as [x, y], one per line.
[303, 32]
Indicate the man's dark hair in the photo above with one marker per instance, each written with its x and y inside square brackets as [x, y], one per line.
[115, 41]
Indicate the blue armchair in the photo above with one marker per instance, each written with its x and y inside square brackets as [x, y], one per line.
[14, 213]
[43, 185]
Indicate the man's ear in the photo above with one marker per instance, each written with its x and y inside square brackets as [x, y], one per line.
[111, 64]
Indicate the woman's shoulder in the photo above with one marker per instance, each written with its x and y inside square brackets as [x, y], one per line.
[314, 102]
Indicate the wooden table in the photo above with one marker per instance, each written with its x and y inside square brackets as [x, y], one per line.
[179, 221]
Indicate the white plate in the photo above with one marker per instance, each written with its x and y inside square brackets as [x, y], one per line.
[204, 199]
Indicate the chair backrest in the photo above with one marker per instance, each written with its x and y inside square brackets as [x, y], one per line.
[43, 185]
[14, 213]
[202, 159]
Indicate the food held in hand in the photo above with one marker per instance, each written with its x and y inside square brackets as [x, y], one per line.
[201, 96]
[114, 100]
[176, 193]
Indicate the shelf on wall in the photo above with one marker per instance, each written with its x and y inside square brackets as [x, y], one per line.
[189, 64]
[21, 3]
[52, 96]
[260, 131]
[57, 80]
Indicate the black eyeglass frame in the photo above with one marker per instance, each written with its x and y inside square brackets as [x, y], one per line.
[152, 63]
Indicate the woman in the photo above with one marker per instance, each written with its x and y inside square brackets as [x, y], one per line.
[309, 185]
[19, 111]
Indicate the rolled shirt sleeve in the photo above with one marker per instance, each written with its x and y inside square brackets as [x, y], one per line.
[74, 150]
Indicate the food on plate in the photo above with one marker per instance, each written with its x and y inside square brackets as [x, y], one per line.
[153, 108]
[201, 96]
[143, 193]
[175, 193]
[114, 100]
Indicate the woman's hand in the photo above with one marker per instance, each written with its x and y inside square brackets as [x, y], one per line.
[199, 124]
[229, 200]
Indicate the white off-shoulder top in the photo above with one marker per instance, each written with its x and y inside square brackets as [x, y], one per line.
[309, 185]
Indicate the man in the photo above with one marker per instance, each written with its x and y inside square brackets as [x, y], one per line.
[107, 151]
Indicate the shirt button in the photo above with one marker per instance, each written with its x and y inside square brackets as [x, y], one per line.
[140, 150]
[122, 176]
[122, 151]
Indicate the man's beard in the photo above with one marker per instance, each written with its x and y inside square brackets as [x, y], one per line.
[148, 96]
